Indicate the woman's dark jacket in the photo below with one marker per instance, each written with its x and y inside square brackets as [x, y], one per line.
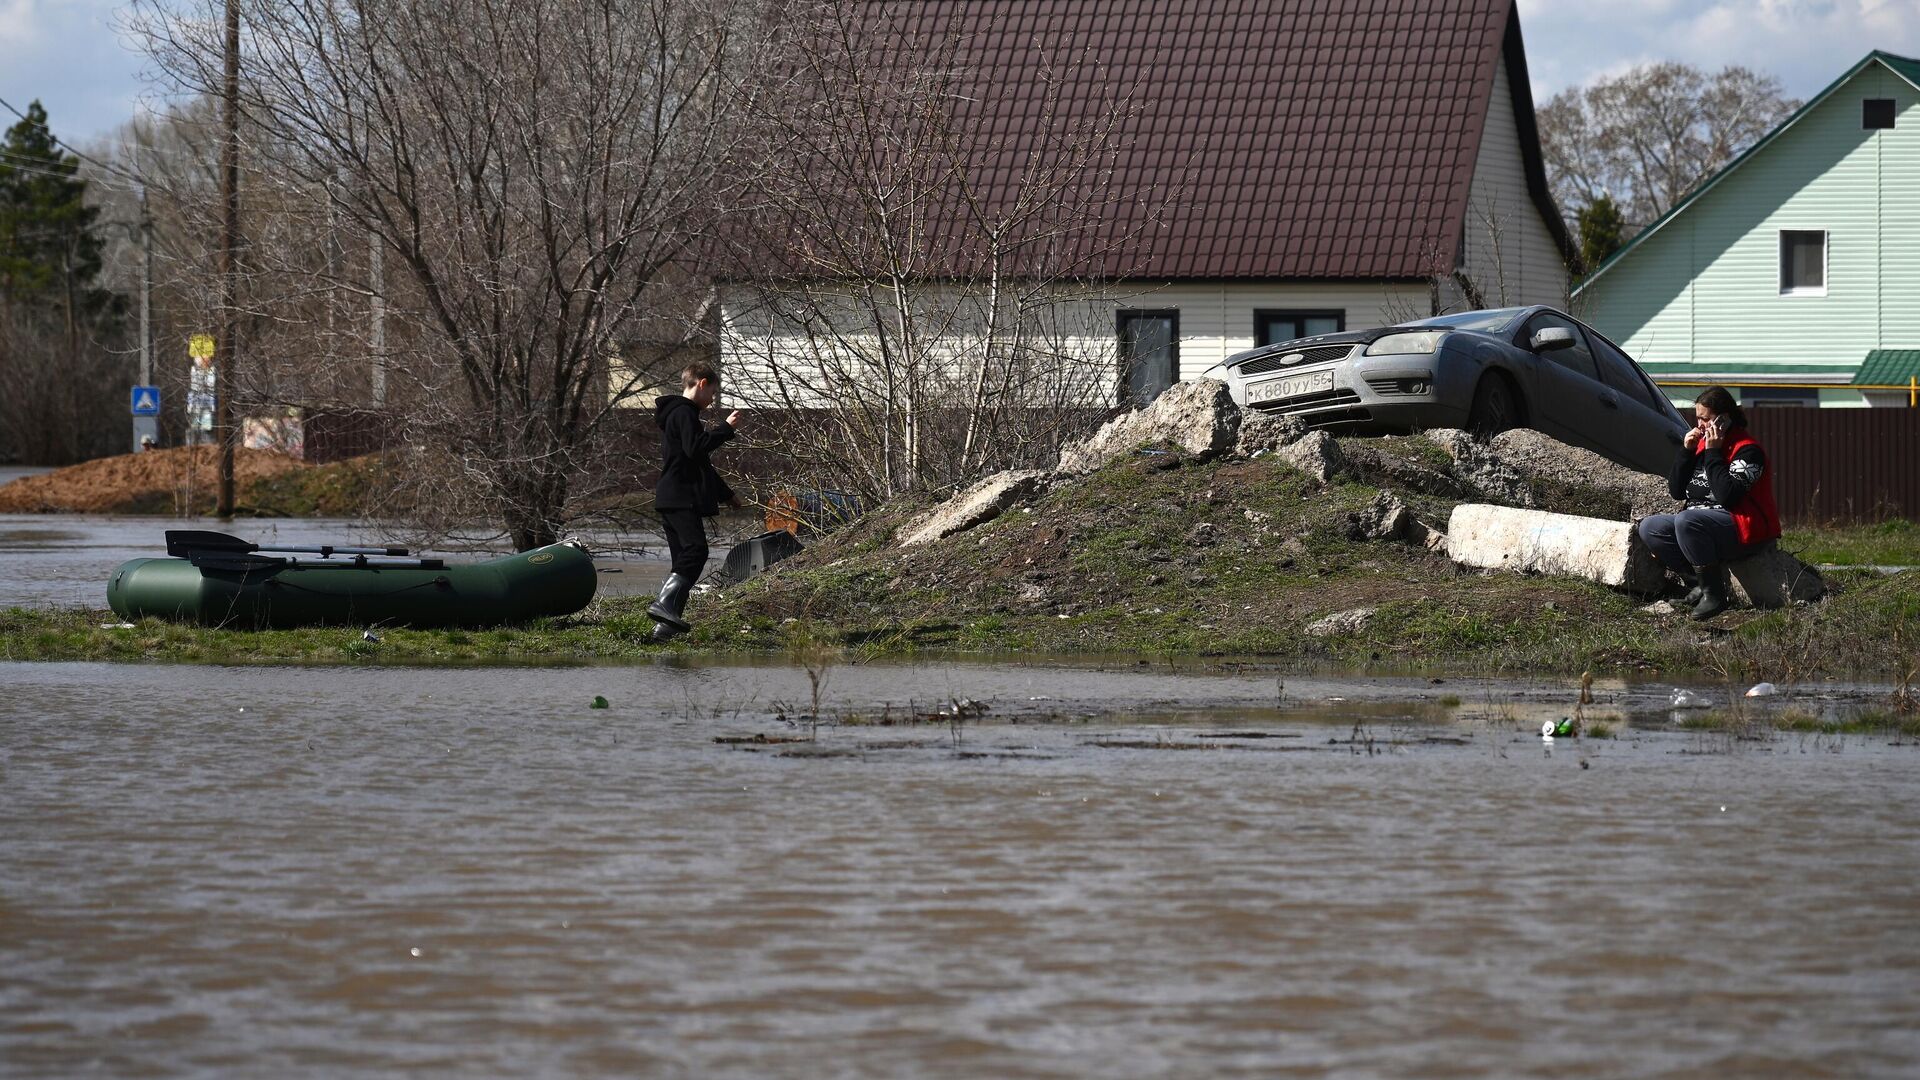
[687, 477]
[1734, 478]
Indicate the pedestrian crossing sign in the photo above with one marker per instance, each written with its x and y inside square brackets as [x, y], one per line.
[146, 401]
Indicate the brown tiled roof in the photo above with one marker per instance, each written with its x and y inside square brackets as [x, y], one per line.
[1282, 138]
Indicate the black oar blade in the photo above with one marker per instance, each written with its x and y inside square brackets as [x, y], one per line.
[182, 541]
[232, 560]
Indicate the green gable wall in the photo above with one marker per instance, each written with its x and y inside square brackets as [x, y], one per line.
[1703, 290]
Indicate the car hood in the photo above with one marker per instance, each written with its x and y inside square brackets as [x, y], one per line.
[1356, 337]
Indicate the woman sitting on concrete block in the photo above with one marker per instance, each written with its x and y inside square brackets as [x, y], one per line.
[1723, 477]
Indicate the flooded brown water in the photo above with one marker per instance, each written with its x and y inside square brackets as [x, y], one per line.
[316, 872]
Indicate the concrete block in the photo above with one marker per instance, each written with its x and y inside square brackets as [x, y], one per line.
[977, 505]
[1197, 416]
[1537, 542]
[1317, 455]
[1771, 578]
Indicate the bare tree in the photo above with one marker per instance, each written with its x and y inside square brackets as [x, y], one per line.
[1647, 136]
[935, 303]
[537, 179]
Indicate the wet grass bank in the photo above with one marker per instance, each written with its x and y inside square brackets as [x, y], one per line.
[1154, 557]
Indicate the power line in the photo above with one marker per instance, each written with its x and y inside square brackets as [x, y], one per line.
[57, 141]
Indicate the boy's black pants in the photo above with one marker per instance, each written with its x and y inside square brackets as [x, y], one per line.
[686, 541]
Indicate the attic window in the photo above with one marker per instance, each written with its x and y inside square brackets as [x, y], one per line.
[1803, 262]
[1876, 113]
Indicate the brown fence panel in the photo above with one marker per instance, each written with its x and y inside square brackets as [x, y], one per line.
[338, 434]
[1841, 464]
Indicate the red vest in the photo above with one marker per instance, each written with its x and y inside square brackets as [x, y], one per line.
[1755, 518]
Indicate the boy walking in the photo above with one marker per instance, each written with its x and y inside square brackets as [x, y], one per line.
[689, 489]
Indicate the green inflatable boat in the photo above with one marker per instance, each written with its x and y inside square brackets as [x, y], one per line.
[218, 580]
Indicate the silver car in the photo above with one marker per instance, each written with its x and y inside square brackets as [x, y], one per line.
[1485, 371]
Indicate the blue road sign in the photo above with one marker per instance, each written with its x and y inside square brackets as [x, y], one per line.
[146, 401]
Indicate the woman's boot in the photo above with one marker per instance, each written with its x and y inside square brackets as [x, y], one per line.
[666, 610]
[1713, 591]
[1693, 590]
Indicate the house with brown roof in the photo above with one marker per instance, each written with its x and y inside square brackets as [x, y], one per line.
[1289, 168]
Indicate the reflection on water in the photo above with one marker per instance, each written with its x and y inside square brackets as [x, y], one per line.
[311, 872]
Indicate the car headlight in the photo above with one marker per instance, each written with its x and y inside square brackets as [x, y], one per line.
[1424, 341]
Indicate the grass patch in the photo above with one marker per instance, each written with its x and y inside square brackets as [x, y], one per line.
[1895, 542]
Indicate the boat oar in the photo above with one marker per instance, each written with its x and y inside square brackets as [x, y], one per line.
[245, 560]
[182, 541]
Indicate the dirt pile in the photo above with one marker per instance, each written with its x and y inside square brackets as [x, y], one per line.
[159, 481]
[1214, 532]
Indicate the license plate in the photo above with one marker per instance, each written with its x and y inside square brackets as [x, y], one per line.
[1307, 382]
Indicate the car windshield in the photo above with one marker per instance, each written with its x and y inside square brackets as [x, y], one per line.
[1497, 321]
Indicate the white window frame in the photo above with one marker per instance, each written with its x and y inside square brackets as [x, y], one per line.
[1826, 263]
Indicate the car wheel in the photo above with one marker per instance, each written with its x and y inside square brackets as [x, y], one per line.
[1496, 406]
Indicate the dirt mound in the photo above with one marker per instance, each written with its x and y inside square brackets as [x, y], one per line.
[158, 481]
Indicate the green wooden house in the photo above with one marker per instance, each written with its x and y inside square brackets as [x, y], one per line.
[1793, 274]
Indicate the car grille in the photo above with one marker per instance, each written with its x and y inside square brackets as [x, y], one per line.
[1318, 354]
[1339, 407]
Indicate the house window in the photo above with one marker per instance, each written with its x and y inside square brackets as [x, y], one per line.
[1876, 113]
[1803, 262]
[1149, 354]
[1272, 326]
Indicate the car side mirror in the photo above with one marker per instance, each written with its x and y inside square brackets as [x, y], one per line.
[1550, 338]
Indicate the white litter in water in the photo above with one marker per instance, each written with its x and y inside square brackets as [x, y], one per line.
[1723, 809]
[1765, 689]
[1687, 699]
[1547, 729]
[415, 951]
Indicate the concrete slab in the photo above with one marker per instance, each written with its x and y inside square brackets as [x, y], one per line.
[977, 505]
[1772, 578]
[1537, 542]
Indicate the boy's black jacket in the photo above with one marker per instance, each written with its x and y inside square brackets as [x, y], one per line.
[687, 477]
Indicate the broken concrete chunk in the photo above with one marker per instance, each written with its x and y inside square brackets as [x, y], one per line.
[1386, 518]
[1340, 623]
[977, 505]
[1317, 455]
[1538, 542]
[1267, 433]
[1773, 578]
[1480, 469]
[1197, 416]
[1547, 458]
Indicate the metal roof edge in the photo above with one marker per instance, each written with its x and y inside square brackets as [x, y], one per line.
[1458, 216]
[1764, 141]
[1513, 51]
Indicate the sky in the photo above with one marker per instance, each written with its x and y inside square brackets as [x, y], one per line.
[72, 55]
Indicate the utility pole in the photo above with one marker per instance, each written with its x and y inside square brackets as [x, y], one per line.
[377, 267]
[146, 290]
[224, 350]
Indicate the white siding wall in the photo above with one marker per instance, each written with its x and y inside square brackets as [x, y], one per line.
[1510, 253]
[1216, 320]
[1705, 289]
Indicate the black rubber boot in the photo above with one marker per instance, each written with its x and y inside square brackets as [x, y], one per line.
[1713, 591]
[1693, 590]
[666, 610]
